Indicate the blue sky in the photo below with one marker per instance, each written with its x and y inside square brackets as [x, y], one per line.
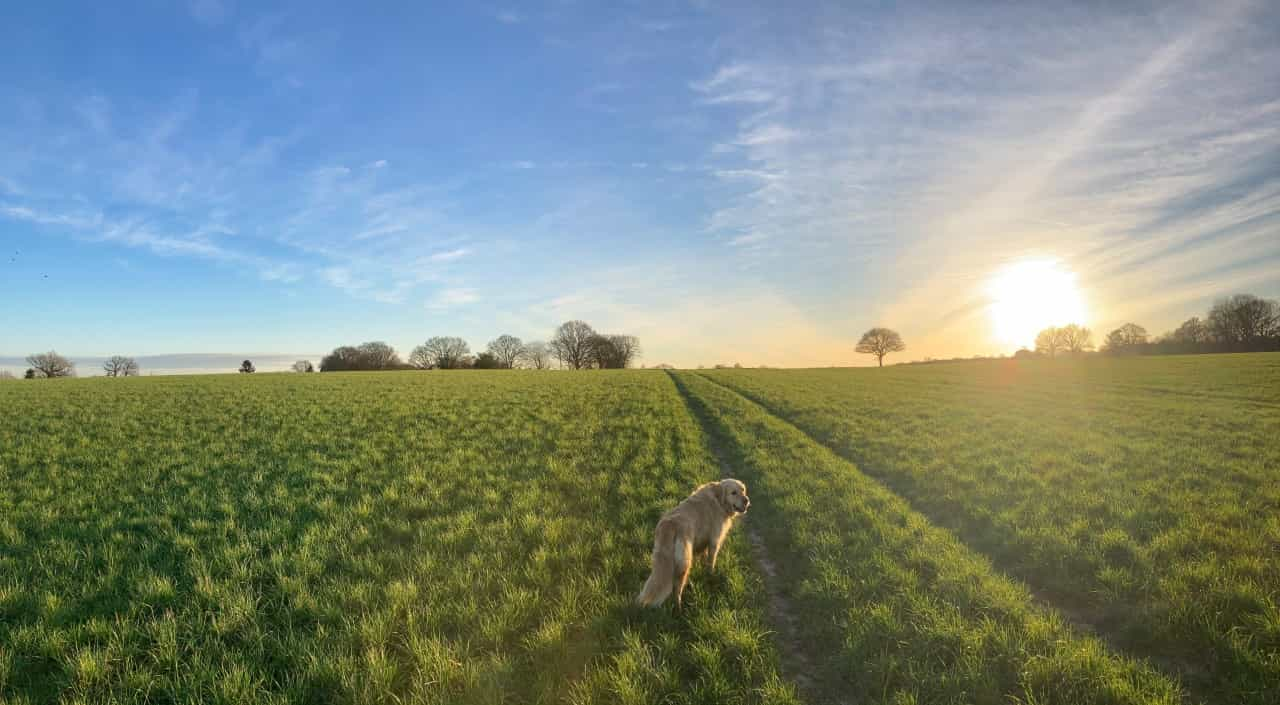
[729, 181]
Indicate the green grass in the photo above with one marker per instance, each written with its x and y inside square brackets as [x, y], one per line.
[358, 538]
[1140, 495]
[901, 611]
[479, 537]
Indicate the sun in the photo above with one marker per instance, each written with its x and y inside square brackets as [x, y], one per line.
[1029, 296]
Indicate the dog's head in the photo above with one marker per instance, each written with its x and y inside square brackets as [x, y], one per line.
[733, 496]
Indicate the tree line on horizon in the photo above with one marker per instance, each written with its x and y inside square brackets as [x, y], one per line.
[574, 345]
[1240, 323]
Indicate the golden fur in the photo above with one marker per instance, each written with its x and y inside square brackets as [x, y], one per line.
[697, 525]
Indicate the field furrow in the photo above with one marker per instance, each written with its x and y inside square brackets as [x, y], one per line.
[1153, 518]
[902, 611]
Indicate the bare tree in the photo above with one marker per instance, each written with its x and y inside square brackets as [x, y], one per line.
[880, 342]
[536, 355]
[1244, 318]
[342, 358]
[377, 355]
[626, 350]
[572, 344]
[1049, 342]
[441, 352]
[1070, 338]
[505, 350]
[1193, 331]
[1076, 339]
[1126, 338]
[51, 364]
[247, 367]
[614, 352]
[120, 366]
[303, 366]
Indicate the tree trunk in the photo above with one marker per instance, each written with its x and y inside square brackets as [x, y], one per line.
[880, 359]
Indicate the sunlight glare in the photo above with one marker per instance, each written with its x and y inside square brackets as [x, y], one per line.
[1029, 296]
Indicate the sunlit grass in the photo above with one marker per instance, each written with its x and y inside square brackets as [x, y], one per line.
[1141, 495]
[900, 609]
[413, 538]
[479, 537]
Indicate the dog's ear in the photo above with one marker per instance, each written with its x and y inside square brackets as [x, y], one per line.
[722, 496]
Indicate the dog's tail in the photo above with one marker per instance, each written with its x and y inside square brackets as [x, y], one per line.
[659, 585]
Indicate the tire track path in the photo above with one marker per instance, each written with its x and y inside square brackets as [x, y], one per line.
[798, 662]
[1191, 676]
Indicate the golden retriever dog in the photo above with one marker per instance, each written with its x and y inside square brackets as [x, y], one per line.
[697, 525]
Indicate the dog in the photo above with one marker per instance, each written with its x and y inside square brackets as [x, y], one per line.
[699, 525]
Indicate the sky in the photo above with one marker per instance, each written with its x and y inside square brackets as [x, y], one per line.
[730, 182]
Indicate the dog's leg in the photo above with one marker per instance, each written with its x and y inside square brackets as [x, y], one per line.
[684, 562]
[714, 547]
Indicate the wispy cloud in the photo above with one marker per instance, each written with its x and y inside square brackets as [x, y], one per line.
[827, 169]
[287, 272]
[939, 162]
[77, 221]
[450, 255]
[342, 278]
[452, 298]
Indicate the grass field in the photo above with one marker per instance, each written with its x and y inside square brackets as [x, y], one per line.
[358, 538]
[1141, 496]
[1104, 531]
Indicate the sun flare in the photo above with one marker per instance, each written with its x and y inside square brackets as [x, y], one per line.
[1029, 296]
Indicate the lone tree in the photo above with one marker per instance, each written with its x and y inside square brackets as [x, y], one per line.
[572, 344]
[120, 366]
[50, 365]
[880, 342]
[505, 350]
[303, 366]
[536, 355]
[247, 367]
[441, 353]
